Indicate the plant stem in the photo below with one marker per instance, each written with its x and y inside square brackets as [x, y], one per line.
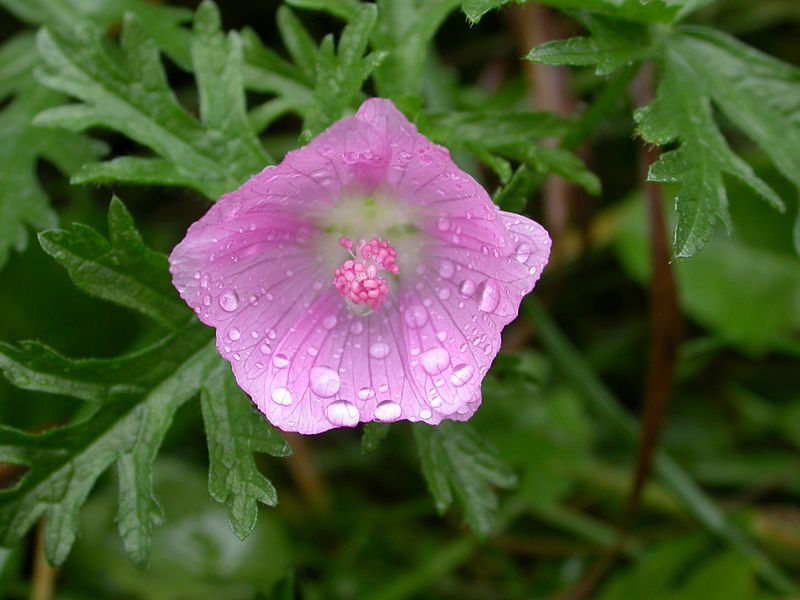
[575, 370]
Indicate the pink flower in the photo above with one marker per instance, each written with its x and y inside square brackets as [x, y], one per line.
[364, 278]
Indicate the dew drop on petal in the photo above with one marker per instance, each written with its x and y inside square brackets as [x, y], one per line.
[324, 381]
[379, 350]
[443, 293]
[425, 413]
[280, 360]
[229, 301]
[489, 296]
[342, 413]
[365, 393]
[446, 269]
[461, 374]
[282, 396]
[443, 224]
[387, 411]
[356, 327]
[329, 322]
[523, 252]
[416, 316]
[206, 300]
[467, 288]
[234, 334]
[265, 349]
[435, 360]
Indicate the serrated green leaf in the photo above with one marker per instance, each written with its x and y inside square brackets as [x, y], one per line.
[344, 9]
[682, 112]
[23, 202]
[456, 461]
[342, 71]
[611, 45]
[235, 430]
[759, 94]
[298, 42]
[512, 135]
[646, 11]
[120, 269]
[18, 57]
[132, 96]
[65, 463]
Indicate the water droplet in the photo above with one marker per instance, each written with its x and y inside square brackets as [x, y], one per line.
[282, 396]
[379, 350]
[466, 288]
[365, 393]
[461, 374]
[425, 413]
[342, 413]
[280, 360]
[435, 360]
[443, 223]
[253, 299]
[229, 301]
[234, 334]
[415, 316]
[387, 411]
[441, 335]
[523, 252]
[356, 327]
[329, 322]
[265, 349]
[384, 387]
[207, 300]
[271, 334]
[444, 293]
[204, 281]
[312, 351]
[324, 381]
[446, 269]
[489, 296]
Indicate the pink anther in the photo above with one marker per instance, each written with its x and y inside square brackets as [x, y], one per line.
[358, 279]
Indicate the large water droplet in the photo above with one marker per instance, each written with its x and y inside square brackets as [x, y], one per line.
[234, 334]
[379, 350]
[229, 301]
[324, 381]
[489, 296]
[329, 322]
[387, 411]
[467, 288]
[425, 413]
[523, 252]
[282, 396]
[415, 316]
[461, 374]
[280, 360]
[342, 413]
[435, 360]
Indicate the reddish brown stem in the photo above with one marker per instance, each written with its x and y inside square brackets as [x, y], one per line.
[665, 317]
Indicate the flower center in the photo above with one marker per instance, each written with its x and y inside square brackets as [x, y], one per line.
[359, 279]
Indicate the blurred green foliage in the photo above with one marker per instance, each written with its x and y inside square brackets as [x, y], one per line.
[186, 100]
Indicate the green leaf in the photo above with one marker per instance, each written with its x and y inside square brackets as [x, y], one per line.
[342, 71]
[759, 94]
[163, 23]
[513, 135]
[344, 9]
[682, 113]
[18, 57]
[131, 95]
[120, 269]
[235, 430]
[611, 45]
[646, 11]
[23, 202]
[456, 461]
[374, 434]
[64, 463]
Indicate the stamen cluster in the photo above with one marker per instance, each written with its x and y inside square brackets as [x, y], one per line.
[358, 279]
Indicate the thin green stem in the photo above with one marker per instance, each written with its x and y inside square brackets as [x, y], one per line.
[576, 370]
